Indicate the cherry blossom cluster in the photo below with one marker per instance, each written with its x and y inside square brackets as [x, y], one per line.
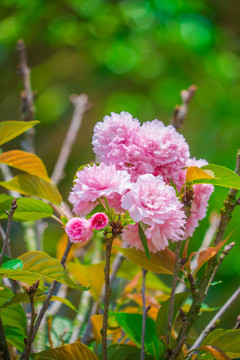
[138, 166]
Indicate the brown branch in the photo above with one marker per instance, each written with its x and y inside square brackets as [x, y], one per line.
[183, 334]
[174, 284]
[218, 316]
[180, 112]
[27, 94]
[88, 332]
[144, 316]
[9, 224]
[226, 213]
[81, 104]
[48, 299]
[109, 242]
[31, 292]
[3, 344]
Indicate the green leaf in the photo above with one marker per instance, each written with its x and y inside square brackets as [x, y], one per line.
[5, 294]
[34, 186]
[125, 352]
[41, 263]
[15, 337]
[161, 262]
[61, 330]
[38, 264]
[75, 351]
[143, 239]
[132, 325]
[223, 177]
[28, 209]
[162, 316]
[12, 264]
[11, 129]
[14, 316]
[226, 340]
[25, 161]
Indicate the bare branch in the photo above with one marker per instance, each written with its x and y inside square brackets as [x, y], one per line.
[144, 310]
[81, 104]
[174, 284]
[180, 112]
[218, 316]
[31, 292]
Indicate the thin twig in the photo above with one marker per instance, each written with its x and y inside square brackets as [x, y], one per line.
[48, 298]
[109, 242]
[218, 316]
[81, 104]
[183, 335]
[3, 344]
[144, 310]
[180, 112]
[115, 267]
[174, 284]
[9, 224]
[237, 325]
[31, 292]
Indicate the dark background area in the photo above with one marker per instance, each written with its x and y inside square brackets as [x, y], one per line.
[134, 56]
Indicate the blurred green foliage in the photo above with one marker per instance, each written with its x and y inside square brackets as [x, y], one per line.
[131, 55]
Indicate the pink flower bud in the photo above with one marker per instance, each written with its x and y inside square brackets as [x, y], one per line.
[79, 230]
[99, 221]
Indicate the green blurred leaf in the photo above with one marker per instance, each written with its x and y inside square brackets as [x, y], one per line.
[14, 316]
[32, 185]
[15, 337]
[132, 325]
[12, 264]
[226, 340]
[143, 239]
[75, 351]
[162, 316]
[125, 352]
[11, 129]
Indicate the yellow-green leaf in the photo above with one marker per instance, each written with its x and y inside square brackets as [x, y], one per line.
[11, 129]
[89, 275]
[195, 173]
[32, 185]
[161, 262]
[25, 161]
[75, 351]
[228, 341]
[41, 263]
[218, 354]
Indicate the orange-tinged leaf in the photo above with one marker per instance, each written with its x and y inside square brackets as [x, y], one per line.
[75, 351]
[161, 262]
[25, 161]
[97, 323]
[32, 185]
[210, 252]
[89, 275]
[11, 129]
[217, 353]
[195, 173]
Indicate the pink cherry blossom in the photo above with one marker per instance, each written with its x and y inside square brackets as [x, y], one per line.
[99, 221]
[113, 136]
[79, 230]
[202, 193]
[94, 182]
[165, 148]
[154, 203]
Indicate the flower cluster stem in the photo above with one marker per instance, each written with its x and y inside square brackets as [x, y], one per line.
[109, 242]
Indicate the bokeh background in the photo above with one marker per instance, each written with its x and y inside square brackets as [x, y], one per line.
[134, 56]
